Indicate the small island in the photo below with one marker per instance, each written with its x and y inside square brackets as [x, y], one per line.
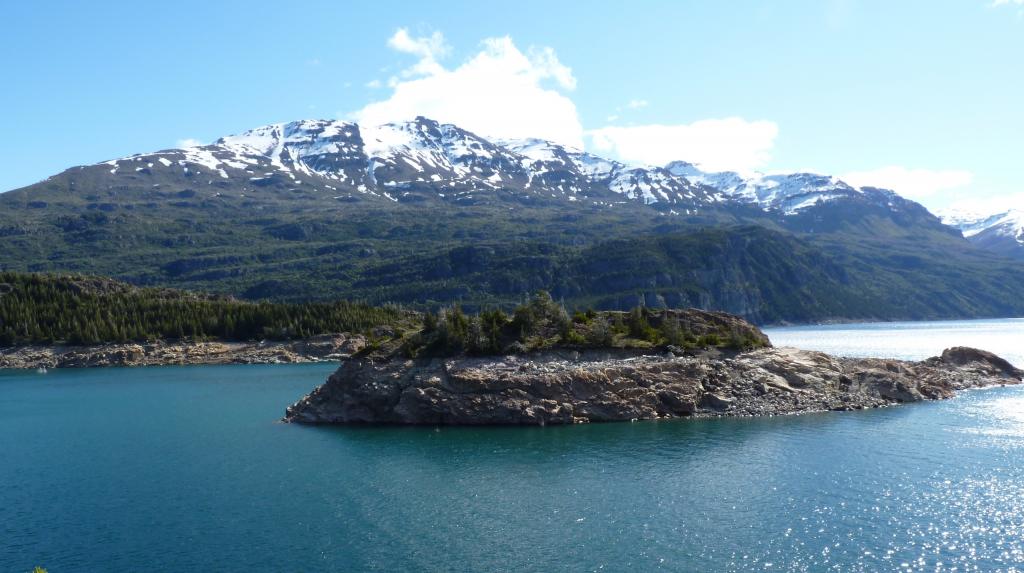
[542, 366]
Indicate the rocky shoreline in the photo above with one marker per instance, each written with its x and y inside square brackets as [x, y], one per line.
[325, 348]
[566, 387]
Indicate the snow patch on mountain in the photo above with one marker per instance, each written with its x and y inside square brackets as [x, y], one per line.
[789, 193]
[422, 156]
[594, 167]
[1008, 224]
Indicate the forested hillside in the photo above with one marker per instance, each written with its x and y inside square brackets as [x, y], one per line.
[323, 211]
[85, 310]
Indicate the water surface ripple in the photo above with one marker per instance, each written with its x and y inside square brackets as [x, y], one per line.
[186, 469]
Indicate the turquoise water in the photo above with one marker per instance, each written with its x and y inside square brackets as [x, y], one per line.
[186, 469]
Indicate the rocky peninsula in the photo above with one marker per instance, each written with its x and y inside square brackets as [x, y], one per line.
[542, 367]
[566, 387]
[324, 348]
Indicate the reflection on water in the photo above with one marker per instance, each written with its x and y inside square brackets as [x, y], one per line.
[907, 340]
[186, 469]
[1002, 416]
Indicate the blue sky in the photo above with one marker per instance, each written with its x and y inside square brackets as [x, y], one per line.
[923, 96]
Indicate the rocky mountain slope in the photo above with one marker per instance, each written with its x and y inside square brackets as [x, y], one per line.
[424, 213]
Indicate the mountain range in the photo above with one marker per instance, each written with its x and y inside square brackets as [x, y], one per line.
[423, 213]
[1001, 232]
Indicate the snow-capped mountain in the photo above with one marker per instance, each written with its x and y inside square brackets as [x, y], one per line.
[422, 159]
[1009, 223]
[425, 212]
[788, 193]
[418, 157]
[1000, 232]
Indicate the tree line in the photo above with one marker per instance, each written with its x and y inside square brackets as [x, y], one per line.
[37, 308]
[543, 323]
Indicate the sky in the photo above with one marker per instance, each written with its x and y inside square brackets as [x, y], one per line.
[925, 97]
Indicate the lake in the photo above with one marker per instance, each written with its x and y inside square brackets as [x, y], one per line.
[907, 340]
[187, 469]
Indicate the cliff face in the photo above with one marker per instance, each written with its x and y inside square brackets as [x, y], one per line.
[564, 387]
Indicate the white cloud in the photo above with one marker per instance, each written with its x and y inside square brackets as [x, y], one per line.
[1018, 3]
[433, 47]
[504, 92]
[429, 49]
[189, 142]
[545, 59]
[911, 183]
[499, 92]
[713, 144]
[987, 205]
[374, 84]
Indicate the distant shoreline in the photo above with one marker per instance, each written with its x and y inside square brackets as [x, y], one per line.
[844, 321]
[323, 348]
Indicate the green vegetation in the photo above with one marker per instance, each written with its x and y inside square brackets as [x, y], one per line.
[46, 309]
[84, 310]
[542, 324]
[287, 242]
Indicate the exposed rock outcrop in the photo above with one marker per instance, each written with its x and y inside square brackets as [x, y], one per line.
[564, 387]
[317, 349]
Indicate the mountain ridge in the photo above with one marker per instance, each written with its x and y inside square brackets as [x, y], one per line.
[1001, 232]
[392, 161]
[428, 214]
[351, 154]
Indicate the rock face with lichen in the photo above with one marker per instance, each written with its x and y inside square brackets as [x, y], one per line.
[565, 387]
